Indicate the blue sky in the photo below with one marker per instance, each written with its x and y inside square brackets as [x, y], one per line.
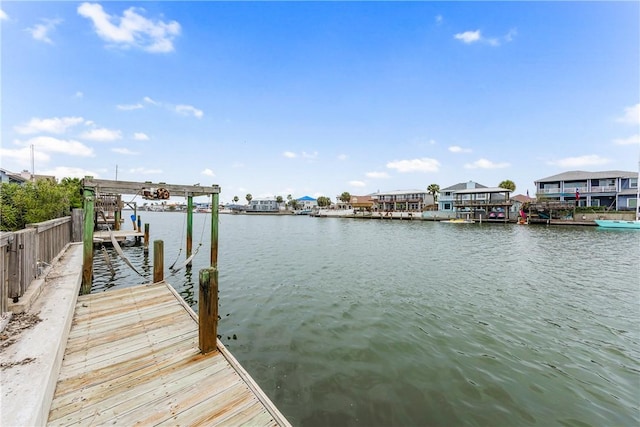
[317, 98]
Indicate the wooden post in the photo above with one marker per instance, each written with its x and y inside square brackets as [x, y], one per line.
[87, 240]
[117, 213]
[77, 225]
[139, 224]
[146, 238]
[214, 229]
[208, 310]
[158, 261]
[189, 225]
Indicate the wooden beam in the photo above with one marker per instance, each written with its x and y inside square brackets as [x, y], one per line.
[135, 187]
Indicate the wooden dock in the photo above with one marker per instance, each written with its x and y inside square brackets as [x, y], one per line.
[120, 235]
[132, 358]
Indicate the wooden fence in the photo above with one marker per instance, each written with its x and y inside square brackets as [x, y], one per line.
[25, 253]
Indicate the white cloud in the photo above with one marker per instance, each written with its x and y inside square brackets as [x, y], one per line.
[50, 144]
[125, 151]
[129, 107]
[150, 101]
[376, 175]
[3, 16]
[357, 184]
[439, 19]
[457, 149]
[131, 29]
[79, 95]
[577, 162]
[632, 140]
[468, 36]
[208, 172]
[476, 36]
[140, 136]
[415, 165]
[102, 134]
[342, 157]
[23, 155]
[145, 171]
[61, 172]
[55, 125]
[188, 109]
[631, 115]
[41, 31]
[486, 164]
[290, 155]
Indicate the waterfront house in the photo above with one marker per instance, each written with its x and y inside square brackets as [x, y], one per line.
[263, 205]
[617, 190]
[447, 195]
[307, 203]
[402, 200]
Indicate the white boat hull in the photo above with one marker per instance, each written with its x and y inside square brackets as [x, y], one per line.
[614, 223]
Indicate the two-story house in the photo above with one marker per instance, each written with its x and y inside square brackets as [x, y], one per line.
[402, 200]
[614, 189]
[263, 205]
[447, 195]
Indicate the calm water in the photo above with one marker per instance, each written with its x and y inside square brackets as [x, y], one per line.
[414, 323]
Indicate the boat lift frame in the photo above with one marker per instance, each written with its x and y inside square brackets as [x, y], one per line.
[93, 186]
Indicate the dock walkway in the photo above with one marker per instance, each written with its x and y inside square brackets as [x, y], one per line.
[126, 356]
[132, 358]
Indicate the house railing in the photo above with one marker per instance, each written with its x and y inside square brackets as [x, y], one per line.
[25, 253]
[603, 189]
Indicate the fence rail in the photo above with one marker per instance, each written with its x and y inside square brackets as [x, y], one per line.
[24, 253]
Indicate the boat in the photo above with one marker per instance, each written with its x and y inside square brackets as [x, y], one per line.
[628, 224]
[616, 223]
[459, 221]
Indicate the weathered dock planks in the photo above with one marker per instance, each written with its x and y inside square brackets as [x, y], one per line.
[132, 358]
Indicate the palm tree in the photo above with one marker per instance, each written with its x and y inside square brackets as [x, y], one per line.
[323, 201]
[235, 199]
[249, 197]
[434, 189]
[345, 197]
[508, 184]
[289, 199]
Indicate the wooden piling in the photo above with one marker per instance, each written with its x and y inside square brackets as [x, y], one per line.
[139, 224]
[146, 238]
[208, 310]
[87, 240]
[214, 229]
[189, 226]
[118, 213]
[158, 261]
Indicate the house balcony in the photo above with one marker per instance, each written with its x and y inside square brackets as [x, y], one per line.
[603, 189]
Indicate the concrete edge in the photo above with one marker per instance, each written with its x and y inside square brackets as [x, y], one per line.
[27, 389]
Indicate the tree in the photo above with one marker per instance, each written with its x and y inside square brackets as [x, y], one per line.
[73, 188]
[508, 184]
[279, 199]
[434, 189]
[35, 202]
[324, 201]
[345, 197]
[249, 197]
[289, 199]
[235, 199]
